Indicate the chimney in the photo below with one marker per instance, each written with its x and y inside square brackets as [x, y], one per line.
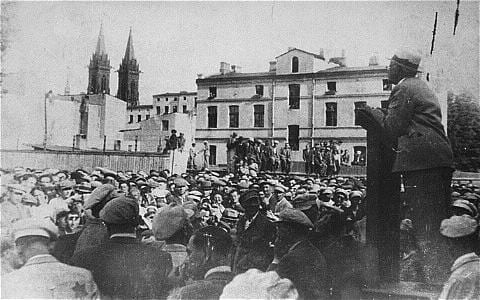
[373, 61]
[273, 66]
[321, 53]
[236, 69]
[224, 67]
[200, 76]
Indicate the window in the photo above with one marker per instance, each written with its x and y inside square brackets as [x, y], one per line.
[116, 145]
[294, 96]
[175, 109]
[166, 109]
[358, 105]
[164, 125]
[212, 160]
[387, 86]
[184, 108]
[159, 110]
[233, 113]
[294, 64]
[293, 134]
[184, 98]
[84, 118]
[212, 117]
[258, 116]
[104, 84]
[331, 88]
[212, 92]
[259, 90]
[384, 104]
[166, 99]
[130, 119]
[331, 114]
[130, 147]
[147, 117]
[175, 98]
[139, 118]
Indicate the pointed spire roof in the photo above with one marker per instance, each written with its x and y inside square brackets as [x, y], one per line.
[129, 53]
[100, 50]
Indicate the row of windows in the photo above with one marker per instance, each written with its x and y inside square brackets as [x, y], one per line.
[294, 91]
[259, 114]
[174, 98]
[233, 113]
[174, 109]
[139, 118]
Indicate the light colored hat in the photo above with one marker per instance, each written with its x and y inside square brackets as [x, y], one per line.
[407, 58]
[458, 226]
[15, 187]
[255, 284]
[35, 227]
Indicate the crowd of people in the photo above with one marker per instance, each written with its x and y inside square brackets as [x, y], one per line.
[249, 156]
[203, 235]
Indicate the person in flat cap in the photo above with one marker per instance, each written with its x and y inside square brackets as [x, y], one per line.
[171, 225]
[42, 275]
[461, 233]
[178, 195]
[12, 209]
[255, 235]
[413, 126]
[208, 264]
[123, 267]
[296, 258]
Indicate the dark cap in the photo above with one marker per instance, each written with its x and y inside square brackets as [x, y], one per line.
[250, 198]
[294, 216]
[120, 210]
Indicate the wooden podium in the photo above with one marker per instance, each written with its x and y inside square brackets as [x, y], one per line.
[383, 199]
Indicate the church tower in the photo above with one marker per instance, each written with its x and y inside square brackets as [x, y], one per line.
[128, 75]
[99, 68]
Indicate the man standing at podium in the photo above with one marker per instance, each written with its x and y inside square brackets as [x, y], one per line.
[423, 157]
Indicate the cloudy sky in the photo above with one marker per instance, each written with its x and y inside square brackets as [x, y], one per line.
[48, 42]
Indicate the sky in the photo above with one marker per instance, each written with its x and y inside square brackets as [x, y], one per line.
[48, 43]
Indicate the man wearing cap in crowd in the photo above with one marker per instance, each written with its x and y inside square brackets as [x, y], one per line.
[255, 235]
[424, 159]
[123, 267]
[13, 210]
[208, 265]
[179, 192]
[296, 258]
[462, 237]
[43, 276]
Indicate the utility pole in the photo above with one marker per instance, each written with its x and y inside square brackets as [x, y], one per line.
[47, 95]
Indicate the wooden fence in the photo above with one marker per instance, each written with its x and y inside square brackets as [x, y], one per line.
[135, 161]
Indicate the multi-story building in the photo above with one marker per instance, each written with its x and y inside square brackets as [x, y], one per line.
[302, 99]
[182, 102]
[149, 125]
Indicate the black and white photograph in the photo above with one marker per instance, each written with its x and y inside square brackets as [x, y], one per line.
[240, 150]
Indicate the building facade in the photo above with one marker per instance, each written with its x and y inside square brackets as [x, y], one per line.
[86, 121]
[183, 102]
[302, 99]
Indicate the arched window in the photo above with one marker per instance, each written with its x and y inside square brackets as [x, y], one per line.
[294, 64]
[104, 84]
